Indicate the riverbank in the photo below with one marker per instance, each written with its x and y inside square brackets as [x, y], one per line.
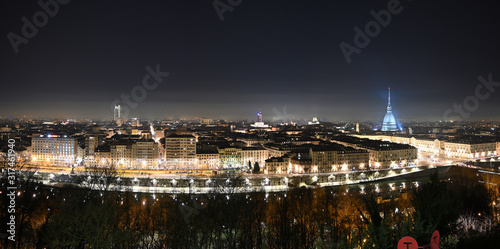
[242, 183]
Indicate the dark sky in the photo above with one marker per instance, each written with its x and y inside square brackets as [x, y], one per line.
[264, 54]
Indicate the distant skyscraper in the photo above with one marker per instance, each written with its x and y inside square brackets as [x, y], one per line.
[259, 116]
[389, 123]
[118, 113]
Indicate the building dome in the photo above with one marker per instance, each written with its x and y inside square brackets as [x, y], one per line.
[389, 123]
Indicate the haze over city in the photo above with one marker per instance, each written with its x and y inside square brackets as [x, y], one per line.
[261, 55]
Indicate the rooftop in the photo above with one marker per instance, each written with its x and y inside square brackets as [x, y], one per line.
[372, 144]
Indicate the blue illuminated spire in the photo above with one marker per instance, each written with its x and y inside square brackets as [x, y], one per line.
[389, 123]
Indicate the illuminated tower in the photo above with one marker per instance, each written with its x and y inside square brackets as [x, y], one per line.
[259, 117]
[260, 122]
[117, 113]
[389, 123]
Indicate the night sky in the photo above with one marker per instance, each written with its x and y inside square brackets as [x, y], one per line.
[267, 55]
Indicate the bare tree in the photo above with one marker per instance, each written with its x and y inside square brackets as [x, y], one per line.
[83, 220]
[99, 178]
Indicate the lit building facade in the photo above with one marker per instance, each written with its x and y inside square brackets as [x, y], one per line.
[352, 160]
[383, 159]
[253, 155]
[91, 143]
[180, 151]
[102, 156]
[141, 154]
[121, 155]
[425, 145]
[470, 151]
[55, 150]
[382, 154]
[278, 165]
[335, 158]
[230, 157]
[323, 160]
[207, 160]
[145, 154]
[458, 149]
[301, 163]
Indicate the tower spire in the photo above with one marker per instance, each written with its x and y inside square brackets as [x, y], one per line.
[389, 108]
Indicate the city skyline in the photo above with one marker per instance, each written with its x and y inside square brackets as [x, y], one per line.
[259, 56]
[276, 115]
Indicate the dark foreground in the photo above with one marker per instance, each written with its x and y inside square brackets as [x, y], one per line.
[462, 205]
